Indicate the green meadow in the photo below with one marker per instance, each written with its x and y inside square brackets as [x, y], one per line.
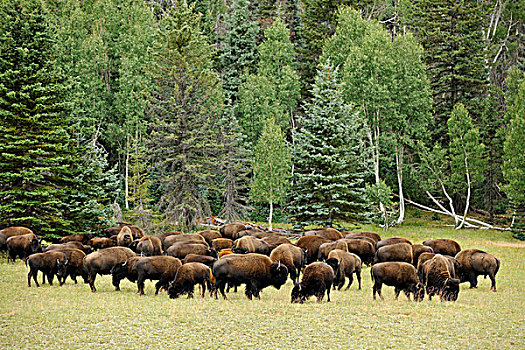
[71, 317]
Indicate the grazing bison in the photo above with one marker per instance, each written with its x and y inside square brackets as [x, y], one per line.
[230, 230]
[204, 259]
[209, 235]
[394, 252]
[257, 271]
[443, 246]
[45, 262]
[187, 238]
[392, 240]
[101, 262]
[293, 257]
[22, 246]
[83, 238]
[15, 231]
[181, 249]
[417, 250]
[311, 245]
[148, 246]
[402, 276]
[363, 249]
[221, 243]
[161, 268]
[73, 266]
[327, 232]
[475, 262]
[317, 279]
[123, 270]
[326, 248]
[125, 237]
[437, 274]
[187, 276]
[349, 263]
[101, 243]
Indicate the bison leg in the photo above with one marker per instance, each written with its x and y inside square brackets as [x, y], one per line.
[493, 280]
[350, 281]
[140, 285]
[31, 274]
[220, 286]
[358, 275]
[377, 288]
[157, 287]
[473, 279]
[91, 281]
[50, 277]
[397, 291]
[328, 291]
[203, 284]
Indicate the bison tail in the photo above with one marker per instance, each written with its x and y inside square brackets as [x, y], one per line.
[497, 266]
[372, 274]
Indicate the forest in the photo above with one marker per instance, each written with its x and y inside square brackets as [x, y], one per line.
[308, 113]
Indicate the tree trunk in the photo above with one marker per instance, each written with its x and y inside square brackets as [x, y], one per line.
[467, 202]
[270, 217]
[399, 167]
[126, 177]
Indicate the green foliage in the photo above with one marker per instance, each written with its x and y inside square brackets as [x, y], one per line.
[377, 194]
[185, 104]
[329, 157]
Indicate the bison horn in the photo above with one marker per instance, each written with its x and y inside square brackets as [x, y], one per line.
[58, 261]
[125, 262]
[279, 264]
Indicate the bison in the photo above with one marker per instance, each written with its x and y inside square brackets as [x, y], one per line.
[22, 246]
[417, 250]
[125, 237]
[437, 274]
[45, 262]
[73, 266]
[291, 256]
[257, 271]
[15, 231]
[3, 243]
[311, 245]
[443, 246]
[230, 230]
[401, 275]
[317, 279]
[326, 248]
[360, 237]
[349, 263]
[363, 249]
[187, 276]
[187, 238]
[251, 244]
[83, 238]
[209, 235]
[101, 243]
[101, 262]
[276, 240]
[123, 270]
[327, 232]
[392, 240]
[475, 262]
[147, 246]
[221, 243]
[204, 259]
[181, 249]
[161, 268]
[69, 245]
[394, 252]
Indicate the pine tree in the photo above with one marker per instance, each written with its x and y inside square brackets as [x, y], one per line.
[330, 162]
[451, 34]
[185, 106]
[271, 167]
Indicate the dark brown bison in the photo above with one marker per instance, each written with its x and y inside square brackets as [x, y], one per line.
[257, 271]
[437, 274]
[443, 246]
[363, 249]
[72, 267]
[188, 238]
[163, 236]
[45, 262]
[276, 240]
[221, 243]
[363, 238]
[187, 277]
[291, 256]
[394, 252]
[475, 262]
[181, 249]
[15, 231]
[22, 246]
[326, 248]
[83, 238]
[123, 270]
[101, 243]
[230, 230]
[317, 279]
[371, 235]
[68, 245]
[417, 250]
[101, 262]
[402, 276]
[125, 237]
[326, 232]
[3, 243]
[253, 232]
[349, 263]
[250, 244]
[311, 245]
[203, 259]
[209, 235]
[161, 268]
[147, 246]
[392, 240]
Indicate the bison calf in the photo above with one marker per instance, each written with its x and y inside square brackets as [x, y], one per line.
[188, 275]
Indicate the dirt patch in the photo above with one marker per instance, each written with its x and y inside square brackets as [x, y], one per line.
[507, 244]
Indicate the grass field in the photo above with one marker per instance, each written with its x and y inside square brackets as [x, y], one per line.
[72, 317]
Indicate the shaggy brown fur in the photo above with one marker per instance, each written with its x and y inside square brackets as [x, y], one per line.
[188, 237]
[475, 262]
[291, 256]
[311, 244]
[125, 237]
[230, 230]
[437, 274]
[394, 252]
[187, 277]
[149, 246]
[276, 240]
[443, 246]
[326, 232]
[221, 243]
[363, 238]
[317, 279]
[15, 231]
[101, 243]
[417, 250]
[363, 249]
[45, 262]
[181, 249]
[82, 238]
[162, 268]
[22, 246]
[73, 267]
[101, 262]
[392, 240]
[349, 263]
[204, 259]
[402, 276]
[209, 235]
[326, 248]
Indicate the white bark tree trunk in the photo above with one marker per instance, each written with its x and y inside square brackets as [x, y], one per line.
[399, 166]
[270, 217]
[126, 177]
[467, 202]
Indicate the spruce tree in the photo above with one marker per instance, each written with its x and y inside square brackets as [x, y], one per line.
[185, 104]
[271, 167]
[329, 159]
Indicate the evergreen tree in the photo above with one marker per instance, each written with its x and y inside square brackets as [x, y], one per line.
[185, 106]
[514, 149]
[271, 167]
[451, 33]
[330, 162]
[50, 183]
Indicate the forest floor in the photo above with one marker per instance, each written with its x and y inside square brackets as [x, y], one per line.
[73, 317]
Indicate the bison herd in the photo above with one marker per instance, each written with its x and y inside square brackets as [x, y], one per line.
[238, 255]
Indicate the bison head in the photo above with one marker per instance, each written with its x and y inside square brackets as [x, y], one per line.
[419, 292]
[450, 290]
[278, 274]
[297, 294]
[35, 246]
[62, 268]
[239, 250]
[334, 264]
[119, 272]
